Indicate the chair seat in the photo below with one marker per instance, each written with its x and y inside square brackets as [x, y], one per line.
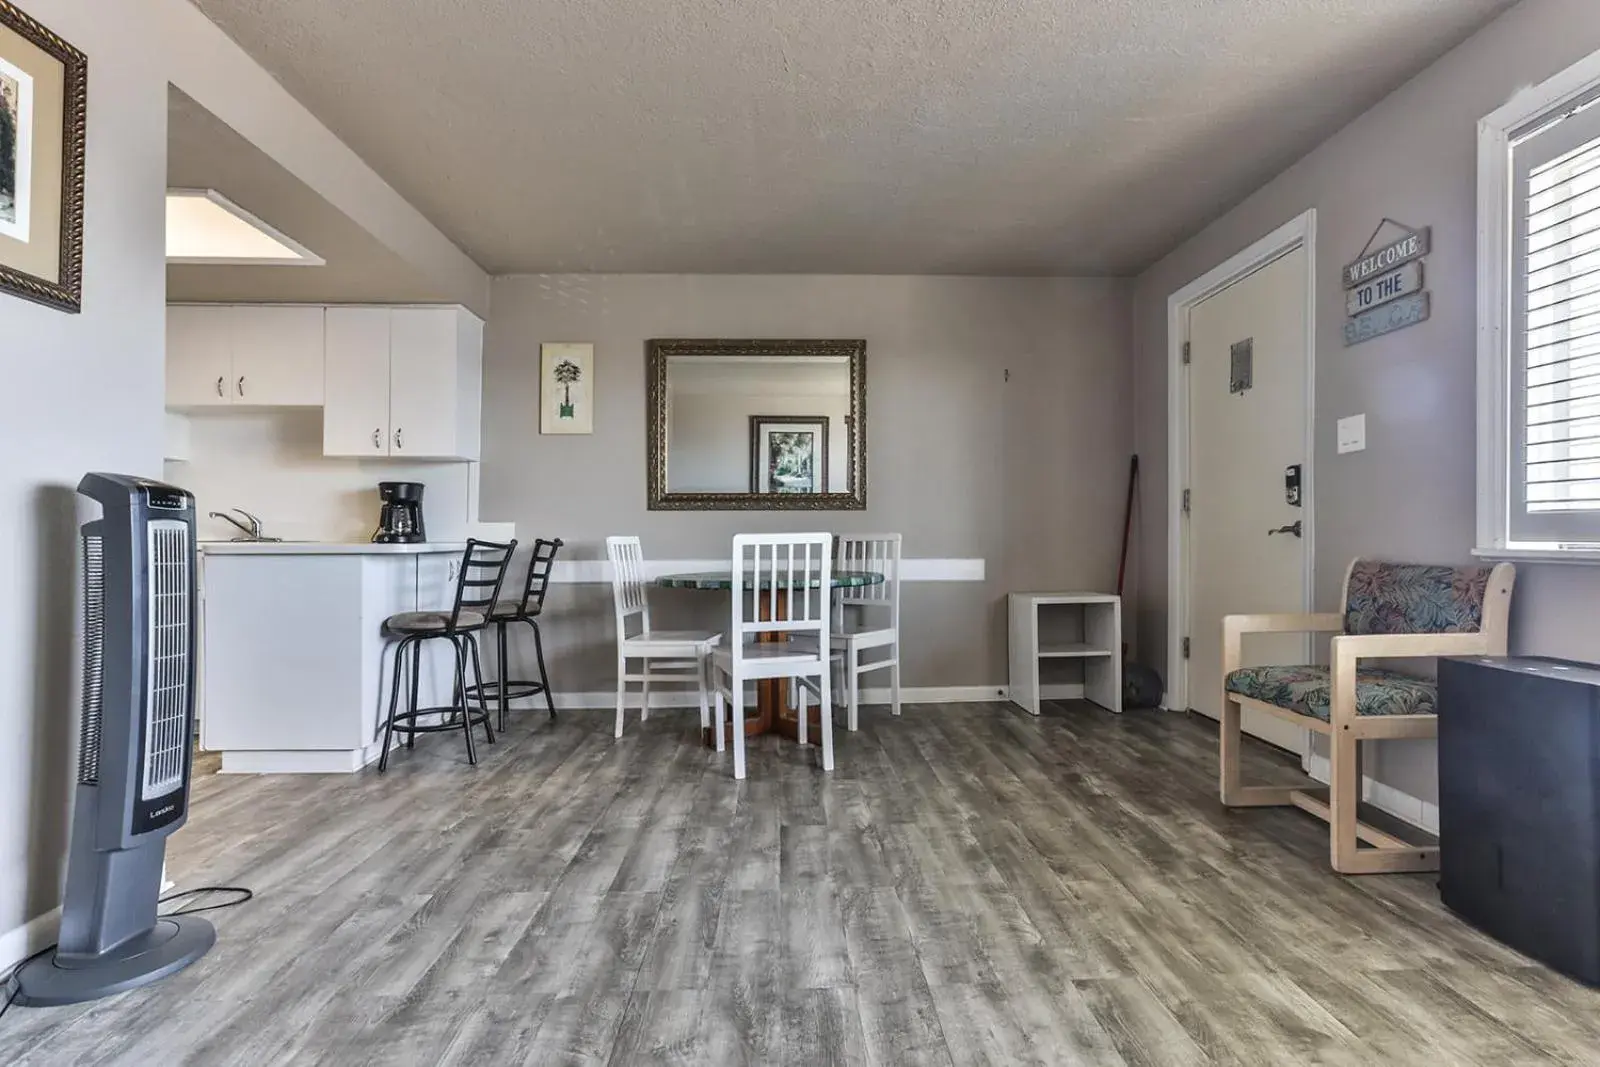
[506, 610]
[688, 643]
[427, 622]
[864, 638]
[1308, 690]
[768, 656]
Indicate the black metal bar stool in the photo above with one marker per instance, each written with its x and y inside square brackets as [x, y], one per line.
[527, 610]
[483, 571]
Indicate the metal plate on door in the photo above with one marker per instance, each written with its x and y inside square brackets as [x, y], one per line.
[1241, 365]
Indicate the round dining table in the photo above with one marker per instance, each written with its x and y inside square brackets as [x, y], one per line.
[773, 713]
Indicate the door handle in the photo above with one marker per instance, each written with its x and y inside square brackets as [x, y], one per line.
[241, 385]
[398, 441]
[219, 385]
[377, 438]
[1293, 528]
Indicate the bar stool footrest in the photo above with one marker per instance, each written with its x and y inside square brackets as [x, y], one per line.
[405, 721]
[516, 690]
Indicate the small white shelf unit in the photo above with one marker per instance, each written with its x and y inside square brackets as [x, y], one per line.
[1075, 626]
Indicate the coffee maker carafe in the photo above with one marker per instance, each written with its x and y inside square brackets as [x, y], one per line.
[400, 522]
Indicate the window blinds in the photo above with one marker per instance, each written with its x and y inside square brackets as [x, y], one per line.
[1555, 285]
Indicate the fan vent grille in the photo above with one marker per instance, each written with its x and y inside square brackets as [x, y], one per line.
[94, 650]
[167, 698]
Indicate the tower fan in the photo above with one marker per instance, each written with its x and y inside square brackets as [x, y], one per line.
[134, 755]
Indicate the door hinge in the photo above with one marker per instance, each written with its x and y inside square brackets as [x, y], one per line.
[1186, 353]
[1185, 648]
[1186, 500]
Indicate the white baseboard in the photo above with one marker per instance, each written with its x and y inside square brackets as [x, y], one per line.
[23, 941]
[598, 571]
[1385, 798]
[291, 761]
[686, 698]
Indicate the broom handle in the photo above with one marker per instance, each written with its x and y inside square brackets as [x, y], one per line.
[1127, 523]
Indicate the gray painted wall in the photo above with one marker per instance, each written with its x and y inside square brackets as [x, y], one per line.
[1026, 474]
[83, 392]
[1410, 495]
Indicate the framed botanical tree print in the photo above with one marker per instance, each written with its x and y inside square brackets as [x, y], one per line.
[43, 82]
[566, 388]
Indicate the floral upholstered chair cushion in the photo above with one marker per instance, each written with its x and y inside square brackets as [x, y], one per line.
[1411, 598]
[1308, 690]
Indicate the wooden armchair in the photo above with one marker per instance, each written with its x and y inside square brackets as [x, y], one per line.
[1391, 611]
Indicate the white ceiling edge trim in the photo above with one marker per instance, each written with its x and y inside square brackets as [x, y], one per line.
[598, 571]
[211, 68]
[298, 254]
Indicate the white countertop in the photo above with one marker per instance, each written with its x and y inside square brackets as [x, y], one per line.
[326, 548]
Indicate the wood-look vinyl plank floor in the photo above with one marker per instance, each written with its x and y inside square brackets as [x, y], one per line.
[970, 886]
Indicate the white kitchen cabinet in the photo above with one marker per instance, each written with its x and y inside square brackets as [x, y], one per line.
[199, 357]
[277, 356]
[355, 416]
[412, 391]
[221, 355]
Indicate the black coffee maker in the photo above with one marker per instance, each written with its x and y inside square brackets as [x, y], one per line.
[400, 522]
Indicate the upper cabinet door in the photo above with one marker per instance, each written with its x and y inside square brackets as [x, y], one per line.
[199, 356]
[423, 383]
[355, 418]
[277, 356]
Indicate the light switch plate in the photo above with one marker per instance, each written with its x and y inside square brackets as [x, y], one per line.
[1352, 434]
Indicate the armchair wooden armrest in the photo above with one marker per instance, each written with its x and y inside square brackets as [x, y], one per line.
[1236, 626]
[1351, 648]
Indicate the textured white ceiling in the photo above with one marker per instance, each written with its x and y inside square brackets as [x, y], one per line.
[203, 152]
[874, 136]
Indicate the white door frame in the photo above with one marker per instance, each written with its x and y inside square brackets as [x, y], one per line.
[1300, 232]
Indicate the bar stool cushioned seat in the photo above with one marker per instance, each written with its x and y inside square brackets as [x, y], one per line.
[421, 622]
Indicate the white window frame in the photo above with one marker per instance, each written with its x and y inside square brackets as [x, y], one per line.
[1528, 108]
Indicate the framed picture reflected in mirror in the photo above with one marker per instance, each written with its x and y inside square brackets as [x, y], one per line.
[788, 453]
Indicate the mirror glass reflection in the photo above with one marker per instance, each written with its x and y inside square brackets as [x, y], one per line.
[767, 425]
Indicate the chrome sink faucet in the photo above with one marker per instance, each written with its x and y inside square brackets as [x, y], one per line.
[251, 532]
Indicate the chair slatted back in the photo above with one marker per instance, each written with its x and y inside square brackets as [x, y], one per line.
[540, 564]
[782, 584]
[877, 554]
[483, 571]
[627, 583]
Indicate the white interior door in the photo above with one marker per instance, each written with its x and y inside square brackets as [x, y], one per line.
[1240, 444]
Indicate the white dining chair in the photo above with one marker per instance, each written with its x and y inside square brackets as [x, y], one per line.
[867, 617]
[781, 585]
[672, 656]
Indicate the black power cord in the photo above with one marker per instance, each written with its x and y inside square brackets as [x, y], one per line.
[200, 892]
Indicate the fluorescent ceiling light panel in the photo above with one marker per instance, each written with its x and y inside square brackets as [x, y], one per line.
[203, 226]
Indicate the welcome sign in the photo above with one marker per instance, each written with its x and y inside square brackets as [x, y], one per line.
[1384, 287]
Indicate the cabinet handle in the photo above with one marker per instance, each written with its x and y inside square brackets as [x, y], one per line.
[241, 385]
[377, 438]
[219, 385]
[398, 443]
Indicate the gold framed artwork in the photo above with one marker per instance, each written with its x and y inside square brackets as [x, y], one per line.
[566, 388]
[43, 82]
